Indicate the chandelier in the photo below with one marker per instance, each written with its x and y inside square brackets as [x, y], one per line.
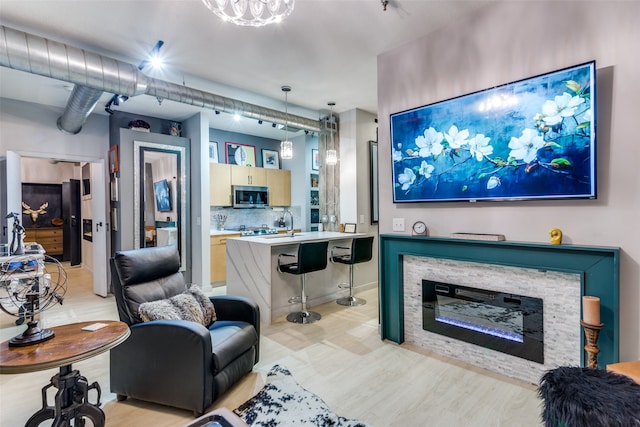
[252, 13]
[286, 146]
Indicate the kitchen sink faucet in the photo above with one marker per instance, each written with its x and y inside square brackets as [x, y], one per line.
[289, 233]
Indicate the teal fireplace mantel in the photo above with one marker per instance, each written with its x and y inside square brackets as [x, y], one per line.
[598, 268]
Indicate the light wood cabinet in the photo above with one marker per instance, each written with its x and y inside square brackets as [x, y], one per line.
[223, 176]
[218, 257]
[220, 184]
[247, 175]
[51, 239]
[279, 183]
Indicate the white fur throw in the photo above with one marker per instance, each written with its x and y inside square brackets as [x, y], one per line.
[191, 305]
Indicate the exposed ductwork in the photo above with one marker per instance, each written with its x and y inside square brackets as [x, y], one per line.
[93, 74]
[81, 103]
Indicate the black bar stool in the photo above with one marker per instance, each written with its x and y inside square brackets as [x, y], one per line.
[311, 257]
[361, 251]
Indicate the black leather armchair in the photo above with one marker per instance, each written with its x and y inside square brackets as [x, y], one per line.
[176, 362]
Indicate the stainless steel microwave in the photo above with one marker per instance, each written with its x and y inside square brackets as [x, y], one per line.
[249, 196]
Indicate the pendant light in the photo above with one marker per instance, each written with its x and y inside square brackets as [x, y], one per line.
[332, 155]
[286, 146]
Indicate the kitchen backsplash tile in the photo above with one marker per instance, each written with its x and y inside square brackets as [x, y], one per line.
[253, 217]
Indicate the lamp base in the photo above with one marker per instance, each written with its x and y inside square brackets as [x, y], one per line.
[33, 335]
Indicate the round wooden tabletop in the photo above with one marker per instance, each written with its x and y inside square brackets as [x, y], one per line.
[70, 344]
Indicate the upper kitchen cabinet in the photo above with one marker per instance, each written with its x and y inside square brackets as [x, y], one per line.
[247, 175]
[224, 176]
[220, 184]
[279, 183]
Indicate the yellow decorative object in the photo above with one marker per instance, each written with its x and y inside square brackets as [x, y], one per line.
[556, 236]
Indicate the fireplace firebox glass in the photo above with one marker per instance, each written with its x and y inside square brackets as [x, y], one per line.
[504, 322]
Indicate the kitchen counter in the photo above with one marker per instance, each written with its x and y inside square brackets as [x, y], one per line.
[298, 237]
[252, 271]
[216, 232]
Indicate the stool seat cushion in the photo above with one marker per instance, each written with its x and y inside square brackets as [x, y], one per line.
[575, 396]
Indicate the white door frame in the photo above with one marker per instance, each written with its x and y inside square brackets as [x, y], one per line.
[99, 208]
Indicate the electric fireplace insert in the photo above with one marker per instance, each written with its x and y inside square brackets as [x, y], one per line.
[504, 322]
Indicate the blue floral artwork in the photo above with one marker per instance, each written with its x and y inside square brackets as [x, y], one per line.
[531, 139]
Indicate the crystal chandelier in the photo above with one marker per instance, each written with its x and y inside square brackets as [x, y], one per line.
[286, 146]
[332, 155]
[252, 13]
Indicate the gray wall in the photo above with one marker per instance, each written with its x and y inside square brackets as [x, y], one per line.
[509, 41]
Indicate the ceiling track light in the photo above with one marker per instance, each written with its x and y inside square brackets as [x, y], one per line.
[114, 100]
[153, 58]
[286, 146]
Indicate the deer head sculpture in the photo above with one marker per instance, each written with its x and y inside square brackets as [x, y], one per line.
[35, 213]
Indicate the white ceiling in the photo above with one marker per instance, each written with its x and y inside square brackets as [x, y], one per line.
[326, 50]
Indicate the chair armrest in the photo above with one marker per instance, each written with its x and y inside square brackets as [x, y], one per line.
[288, 263]
[286, 256]
[232, 307]
[178, 335]
[339, 253]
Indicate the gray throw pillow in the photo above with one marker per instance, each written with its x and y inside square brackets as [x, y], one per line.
[191, 305]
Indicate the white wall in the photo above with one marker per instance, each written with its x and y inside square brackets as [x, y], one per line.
[357, 128]
[31, 130]
[509, 41]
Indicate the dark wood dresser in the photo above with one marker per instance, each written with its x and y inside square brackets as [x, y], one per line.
[51, 238]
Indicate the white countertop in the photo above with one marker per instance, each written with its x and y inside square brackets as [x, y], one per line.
[216, 232]
[213, 232]
[306, 236]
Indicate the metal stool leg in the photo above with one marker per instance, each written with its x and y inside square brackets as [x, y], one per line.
[303, 316]
[351, 301]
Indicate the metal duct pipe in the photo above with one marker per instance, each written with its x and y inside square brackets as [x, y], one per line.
[198, 98]
[81, 103]
[37, 55]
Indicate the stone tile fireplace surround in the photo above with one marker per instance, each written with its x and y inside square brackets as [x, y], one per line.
[560, 275]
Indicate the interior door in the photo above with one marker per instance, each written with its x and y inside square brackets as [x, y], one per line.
[100, 228]
[14, 188]
[71, 216]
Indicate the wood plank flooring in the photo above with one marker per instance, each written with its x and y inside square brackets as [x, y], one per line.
[341, 359]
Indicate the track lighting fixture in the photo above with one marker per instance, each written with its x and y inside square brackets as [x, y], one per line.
[114, 100]
[154, 59]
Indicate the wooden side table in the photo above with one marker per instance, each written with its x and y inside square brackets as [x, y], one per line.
[630, 369]
[71, 344]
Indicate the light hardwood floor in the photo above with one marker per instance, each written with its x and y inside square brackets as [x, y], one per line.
[341, 359]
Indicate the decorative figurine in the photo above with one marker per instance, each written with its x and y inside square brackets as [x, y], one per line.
[556, 236]
[17, 244]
